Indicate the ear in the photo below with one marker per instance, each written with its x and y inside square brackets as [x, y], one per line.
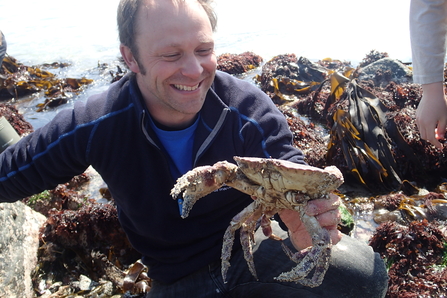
[129, 58]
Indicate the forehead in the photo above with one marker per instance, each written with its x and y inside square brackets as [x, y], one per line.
[165, 20]
[153, 11]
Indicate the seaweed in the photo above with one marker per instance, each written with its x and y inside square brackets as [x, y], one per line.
[19, 81]
[415, 256]
[238, 64]
[285, 77]
[366, 136]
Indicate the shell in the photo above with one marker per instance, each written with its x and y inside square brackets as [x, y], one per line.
[283, 175]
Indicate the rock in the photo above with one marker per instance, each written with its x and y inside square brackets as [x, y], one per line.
[384, 71]
[285, 78]
[85, 283]
[19, 241]
[238, 64]
[16, 119]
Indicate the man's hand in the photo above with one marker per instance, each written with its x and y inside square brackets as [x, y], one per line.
[325, 211]
[431, 114]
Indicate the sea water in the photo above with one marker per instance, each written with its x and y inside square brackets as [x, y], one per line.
[84, 34]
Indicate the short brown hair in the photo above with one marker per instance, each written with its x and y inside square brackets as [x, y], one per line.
[127, 12]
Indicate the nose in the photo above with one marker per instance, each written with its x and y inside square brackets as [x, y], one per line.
[192, 66]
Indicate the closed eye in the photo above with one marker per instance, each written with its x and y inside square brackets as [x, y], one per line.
[171, 57]
[205, 52]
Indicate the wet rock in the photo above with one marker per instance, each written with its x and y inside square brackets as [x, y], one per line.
[238, 64]
[85, 283]
[18, 81]
[372, 57]
[19, 241]
[285, 77]
[384, 71]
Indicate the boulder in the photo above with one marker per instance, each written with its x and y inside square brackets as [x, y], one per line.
[19, 242]
[384, 71]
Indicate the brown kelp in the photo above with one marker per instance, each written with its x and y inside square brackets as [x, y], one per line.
[366, 137]
[18, 80]
[65, 196]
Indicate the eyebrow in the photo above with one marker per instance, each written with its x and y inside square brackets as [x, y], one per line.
[176, 45]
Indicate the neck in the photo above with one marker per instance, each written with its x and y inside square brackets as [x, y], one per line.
[173, 127]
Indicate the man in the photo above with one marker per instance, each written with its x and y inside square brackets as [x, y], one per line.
[173, 113]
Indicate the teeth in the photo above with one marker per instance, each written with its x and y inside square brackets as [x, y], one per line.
[186, 88]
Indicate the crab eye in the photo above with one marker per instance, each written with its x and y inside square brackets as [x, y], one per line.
[296, 197]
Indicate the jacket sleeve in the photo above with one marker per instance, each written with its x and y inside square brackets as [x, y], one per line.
[49, 156]
[428, 29]
[264, 130]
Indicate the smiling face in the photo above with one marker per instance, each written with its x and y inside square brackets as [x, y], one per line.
[175, 63]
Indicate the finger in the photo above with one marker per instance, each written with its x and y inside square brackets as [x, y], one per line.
[439, 135]
[329, 219]
[318, 206]
[441, 130]
[424, 129]
[335, 236]
[434, 141]
[291, 218]
[430, 135]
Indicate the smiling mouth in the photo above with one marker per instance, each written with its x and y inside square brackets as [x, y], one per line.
[187, 88]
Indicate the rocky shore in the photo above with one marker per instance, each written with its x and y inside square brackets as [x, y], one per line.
[67, 242]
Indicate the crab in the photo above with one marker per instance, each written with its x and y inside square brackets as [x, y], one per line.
[277, 185]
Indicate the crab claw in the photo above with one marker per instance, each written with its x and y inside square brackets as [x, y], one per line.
[201, 181]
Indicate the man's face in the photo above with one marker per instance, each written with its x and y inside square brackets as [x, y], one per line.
[175, 63]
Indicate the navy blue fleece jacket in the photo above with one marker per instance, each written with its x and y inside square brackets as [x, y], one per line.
[111, 132]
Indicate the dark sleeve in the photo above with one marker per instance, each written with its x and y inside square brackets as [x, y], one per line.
[265, 131]
[49, 156]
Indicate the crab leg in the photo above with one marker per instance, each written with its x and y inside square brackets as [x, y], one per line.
[250, 213]
[316, 257]
[304, 267]
[247, 235]
[320, 269]
[266, 226]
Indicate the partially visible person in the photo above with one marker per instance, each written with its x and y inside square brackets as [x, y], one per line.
[428, 30]
[2, 47]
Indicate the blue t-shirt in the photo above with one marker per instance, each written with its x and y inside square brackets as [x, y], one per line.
[178, 144]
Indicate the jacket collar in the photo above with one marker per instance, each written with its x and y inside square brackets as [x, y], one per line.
[213, 115]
